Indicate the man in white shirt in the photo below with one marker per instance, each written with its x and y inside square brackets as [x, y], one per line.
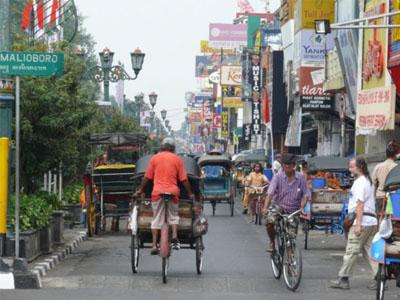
[276, 165]
[364, 226]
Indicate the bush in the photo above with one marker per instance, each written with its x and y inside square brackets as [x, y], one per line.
[72, 193]
[35, 210]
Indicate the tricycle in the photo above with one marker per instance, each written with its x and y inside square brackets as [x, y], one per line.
[192, 224]
[216, 181]
[385, 249]
[111, 177]
[328, 180]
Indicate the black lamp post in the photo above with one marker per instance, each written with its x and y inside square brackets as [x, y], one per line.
[163, 114]
[153, 99]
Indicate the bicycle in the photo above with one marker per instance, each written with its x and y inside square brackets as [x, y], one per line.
[286, 257]
[259, 202]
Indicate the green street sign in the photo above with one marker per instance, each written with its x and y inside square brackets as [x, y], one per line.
[31, 64]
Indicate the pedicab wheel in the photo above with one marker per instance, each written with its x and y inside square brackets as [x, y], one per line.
[292, 267]
[199, 255]
[135, 253]
[381, 279]
[306, 229]
[165, 264]
[214, 205]
[232, 206]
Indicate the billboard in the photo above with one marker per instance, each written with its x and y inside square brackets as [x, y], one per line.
[231, 75]
[206, 65]
[225, 123]
[229, 36]
[208, 111]
[256, 117]
[233, 102]
[394, 46]
[374, 50]
[206, 49]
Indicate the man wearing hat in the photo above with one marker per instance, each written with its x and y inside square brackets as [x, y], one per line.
[287, 193]
[166, 170]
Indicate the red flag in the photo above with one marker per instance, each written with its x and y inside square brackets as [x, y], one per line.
[54, 10]
[267, 117]
[26, 15]
[40, 14]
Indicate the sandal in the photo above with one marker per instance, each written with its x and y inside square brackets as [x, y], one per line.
[154, 251]
[270, 248]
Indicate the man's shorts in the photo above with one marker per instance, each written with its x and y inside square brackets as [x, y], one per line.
[159, 214]
[273, 214]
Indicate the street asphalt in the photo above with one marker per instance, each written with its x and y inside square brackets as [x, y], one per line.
[236, 267]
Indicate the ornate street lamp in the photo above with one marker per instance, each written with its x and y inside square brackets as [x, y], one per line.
[163, 114]
[153, 99]
[166, 123]
[106, 72]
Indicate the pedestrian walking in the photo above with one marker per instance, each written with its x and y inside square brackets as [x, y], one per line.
[363, 222]
[379, 175]
[277, 165]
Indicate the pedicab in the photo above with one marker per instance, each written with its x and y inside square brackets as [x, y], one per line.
[385, 249]
[192, 224]
[327, 206]
[216, 181]
[112, 178]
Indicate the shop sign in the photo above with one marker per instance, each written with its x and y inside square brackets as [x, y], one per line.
[231, 75]
[247, 133]
[375, 109]
[255, 77]
[205, 48]
[215, 77]
[194, 116]
[233, 102]
[314, 47]
[225, 123]
[307, 11]
[394, 46]
[312, 95]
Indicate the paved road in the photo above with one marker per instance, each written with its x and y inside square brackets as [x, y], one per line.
[236, 267]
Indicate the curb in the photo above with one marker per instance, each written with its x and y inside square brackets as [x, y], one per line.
[42, 267]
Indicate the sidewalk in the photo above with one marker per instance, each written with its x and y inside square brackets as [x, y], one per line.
[28, 276]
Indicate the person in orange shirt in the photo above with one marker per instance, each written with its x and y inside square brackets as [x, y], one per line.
[166, 170]
[82, 201]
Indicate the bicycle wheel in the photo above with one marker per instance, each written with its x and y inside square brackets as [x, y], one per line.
[381, 279]
[214, 205]
[165, 265]
[232, 205]
[199, 255]
[134, 253]
[292, 266]
[276, 259]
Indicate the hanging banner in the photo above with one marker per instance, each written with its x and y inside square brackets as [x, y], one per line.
[246, 70]
[145, 119]
[255, 77]
[206, 49]
[225, 123]
[256, 118]
[394, 46]
[376, 109]
[229, 36]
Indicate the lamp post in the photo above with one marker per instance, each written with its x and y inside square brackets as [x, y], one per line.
[163, 114]
[107, 73]
[167, 123]
[138, 100]
[153, 99]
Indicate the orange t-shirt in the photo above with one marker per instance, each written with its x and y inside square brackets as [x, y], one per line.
[166, 169]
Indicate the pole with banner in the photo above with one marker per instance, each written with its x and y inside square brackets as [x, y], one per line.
[26, 64]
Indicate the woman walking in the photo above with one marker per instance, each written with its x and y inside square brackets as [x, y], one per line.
[363, 222]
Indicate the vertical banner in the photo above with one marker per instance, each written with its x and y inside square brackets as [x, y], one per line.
[255, 77]
[246, 135]
[208, 110]
[225, 123]
[256, 121]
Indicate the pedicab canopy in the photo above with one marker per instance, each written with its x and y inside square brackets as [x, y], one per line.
[215, 160]
[117, 139]
[392, 181]
[327, 163]
[250, 158]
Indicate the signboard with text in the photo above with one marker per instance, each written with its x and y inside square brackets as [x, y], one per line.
[231, 75]
[229, 36]
[31, 64]
[225, 123]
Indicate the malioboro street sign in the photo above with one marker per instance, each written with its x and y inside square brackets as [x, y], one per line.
[31, 64]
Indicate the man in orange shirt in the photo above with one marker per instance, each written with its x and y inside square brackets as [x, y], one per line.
[166, 170]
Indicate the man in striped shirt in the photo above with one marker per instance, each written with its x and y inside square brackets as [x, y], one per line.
[287, 193]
